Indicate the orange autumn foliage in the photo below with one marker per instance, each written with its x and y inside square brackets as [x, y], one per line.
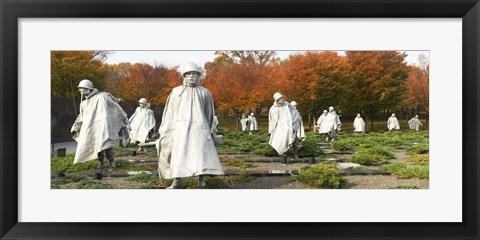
[417, 88]
[151, 82]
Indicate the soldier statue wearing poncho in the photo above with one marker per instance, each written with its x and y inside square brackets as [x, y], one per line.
[284, 122]
[322, 127]
[253, 124]
[332, 124]
[97, 126]
[142, 122]
[301, 132]
[392, 123]
[187, 132]
[358, 124]
[243, 123]
[414, 123]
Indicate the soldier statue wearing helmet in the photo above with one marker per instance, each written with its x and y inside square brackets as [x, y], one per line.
[92, 120]
[332, 124]
[186, 146]
[191, 74]
[301, 131]
[142, 122]
[284, 125]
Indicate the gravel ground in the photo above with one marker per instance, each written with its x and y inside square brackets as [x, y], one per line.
[260, 166]
[270, 183]
[383, 182]
[117, 183]
[284, 182]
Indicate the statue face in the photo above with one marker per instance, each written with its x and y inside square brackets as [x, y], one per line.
[191, 77]
[280, 101]
[142, 105]
[83, 91]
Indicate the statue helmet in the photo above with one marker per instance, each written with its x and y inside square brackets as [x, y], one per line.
[294, 103]
[325, 111]
[143, 100]
[277, 96]
[190, 67]
[85, 83]
[393, 114]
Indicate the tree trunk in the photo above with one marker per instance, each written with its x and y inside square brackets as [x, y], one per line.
[258, 110]
[367, 119]
[372, 125]
[309, 121]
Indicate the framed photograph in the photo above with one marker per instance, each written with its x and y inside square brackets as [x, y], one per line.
[440, 36]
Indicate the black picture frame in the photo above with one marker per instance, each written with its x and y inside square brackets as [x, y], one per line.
[11, 11]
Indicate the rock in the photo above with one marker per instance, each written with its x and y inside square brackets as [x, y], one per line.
[348, 165]
[139, 172]
[61, 152]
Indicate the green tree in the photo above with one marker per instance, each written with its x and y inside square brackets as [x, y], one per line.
[377, 81]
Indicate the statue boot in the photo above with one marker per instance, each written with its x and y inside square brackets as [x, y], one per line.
[201, 182]
[111, 165]
[177, 184]
[101, 167]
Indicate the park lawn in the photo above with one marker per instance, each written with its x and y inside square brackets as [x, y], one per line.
[374, 150]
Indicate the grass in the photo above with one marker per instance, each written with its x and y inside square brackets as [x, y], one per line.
[92, 184]
[123, 151]
[257, 143]
[376, 148]
[418, 159]
[366, 159]
[150, 181]
[402, 171]
[324, 175]
[65, 164]
[395, 139]
[242, 177]
[417, 149]
[152, 153]
[57, 182]
[144, 178]
[239, 164]
[368, 155]
[153, 182]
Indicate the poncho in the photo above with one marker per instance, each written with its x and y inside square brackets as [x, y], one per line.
[332, 122]
[97, 125]
[321, 123]
[359, 125]
[253, 125]
[281, 122]
[392, 123]
[243, 122]
[141, 122]
[298, 126]
[414, 123]
[186, 143]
